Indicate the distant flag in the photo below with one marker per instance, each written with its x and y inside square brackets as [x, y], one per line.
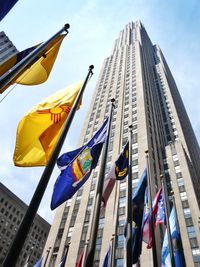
[80, 260]
[159, 217]
[5, 7]
[138, 207]
[178, 257]
[118, 172]
[62, 263]
[39, 69]
[38, 263]
[39, 129]
[107, 259]
[76, 167]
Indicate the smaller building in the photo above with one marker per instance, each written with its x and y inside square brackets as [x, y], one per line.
[12, 210]
[7, 49]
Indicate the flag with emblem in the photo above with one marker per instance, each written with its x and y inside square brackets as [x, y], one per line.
[118, 172]
[76, 167]
[39, 69]
[158, 213]
[39, 129]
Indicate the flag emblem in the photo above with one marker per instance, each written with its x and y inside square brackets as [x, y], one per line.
[56, 112]
[81, 166]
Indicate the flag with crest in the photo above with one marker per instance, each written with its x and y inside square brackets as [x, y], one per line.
[76, 167]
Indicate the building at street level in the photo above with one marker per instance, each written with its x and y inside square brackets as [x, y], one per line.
[7, 49]
[12, 210]
[136, 74]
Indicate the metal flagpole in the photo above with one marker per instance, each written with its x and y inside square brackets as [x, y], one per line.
[97, 206]
[180, 244]
[48, 251]
[65, 254]
[129, 242]
[154, 251]
[27, 221]
[11, 74]
[167, 212]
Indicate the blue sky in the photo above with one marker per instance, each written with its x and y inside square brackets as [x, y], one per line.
[174, 25]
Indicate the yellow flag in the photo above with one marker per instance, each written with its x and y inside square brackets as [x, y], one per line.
[38, 71]
[39, 129]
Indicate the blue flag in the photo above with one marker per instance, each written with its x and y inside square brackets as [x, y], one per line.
[38, 263]
[138, 208]
[178, 257]
[76, 167]
[118, 172]
[107, 259]
[5, 7]
[62, 263]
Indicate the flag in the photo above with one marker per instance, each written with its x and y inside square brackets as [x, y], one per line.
[80, 260]
[39, 69]
[76, 167]
[118, 172]
[138, 207]
[178, 256]
[107, 259]
[5, 7]
[38, 263]
[158, 213]
[39, 129]
[62, 263]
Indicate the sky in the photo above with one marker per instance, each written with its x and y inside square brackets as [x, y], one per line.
[94, 25]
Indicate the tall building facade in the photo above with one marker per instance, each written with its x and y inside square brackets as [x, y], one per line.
[12, 210]
[7, 49]
[137, 76]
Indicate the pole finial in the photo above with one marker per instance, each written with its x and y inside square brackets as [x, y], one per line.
[91, 67]
[66, 26]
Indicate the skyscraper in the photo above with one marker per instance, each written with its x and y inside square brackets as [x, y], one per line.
[137, 76]
[7, 49]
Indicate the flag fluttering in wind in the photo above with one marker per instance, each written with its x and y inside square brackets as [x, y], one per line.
[39, 69]
[76, 167]
[39, 129]
[178, 257]
[138, 207]
[80, 260]
[118, 172]
[158, 213]
[62, 263]
[5, 7]
[38, 263]
[107, 259]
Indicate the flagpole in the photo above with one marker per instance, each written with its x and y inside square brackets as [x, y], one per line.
[167, 212]
[112, 258]
[27, 221]
[11, 74]
[178, 228]
[65, 254]
[97, 206]
[48, 251]
[129, 204]
[154, 251]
